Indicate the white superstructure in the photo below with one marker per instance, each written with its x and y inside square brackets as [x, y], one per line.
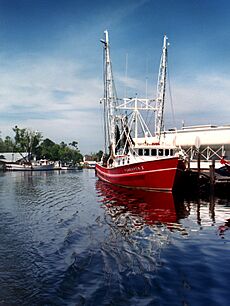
[200, 135]
[211, 141]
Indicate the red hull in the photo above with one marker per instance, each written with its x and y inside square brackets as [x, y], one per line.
[152, 207]
[158, 174]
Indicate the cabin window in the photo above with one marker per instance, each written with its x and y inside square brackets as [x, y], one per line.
[123, 161]
[171, 152]
[160, 152]
[119, 162]
[154, 152]
[167, 152]
[140, 152]
[146, 152]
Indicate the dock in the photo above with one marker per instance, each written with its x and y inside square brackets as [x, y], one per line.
[212, 180]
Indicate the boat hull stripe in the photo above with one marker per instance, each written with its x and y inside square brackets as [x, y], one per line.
[134, 173]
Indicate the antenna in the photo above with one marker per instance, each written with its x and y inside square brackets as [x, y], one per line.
[126, 74]
[146, 79]
[171, 98]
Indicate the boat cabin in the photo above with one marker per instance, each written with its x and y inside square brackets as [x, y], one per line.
[155, 152]
[146, 152]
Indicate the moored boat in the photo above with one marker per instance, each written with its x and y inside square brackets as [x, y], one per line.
[134, 156]
[155, 174]
[14, 166]
[72, 167]
[41, 165]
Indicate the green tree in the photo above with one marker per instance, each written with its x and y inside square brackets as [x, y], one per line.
[48, 149]
[97, 156]
[59, 152]
[27, 141]
[9, 144]
[63, 145]
[74, 144]
[68, 154]
[6, 145]
[76, 155]
[2, 145]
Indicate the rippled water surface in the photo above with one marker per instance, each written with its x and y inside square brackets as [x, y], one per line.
[68, 239]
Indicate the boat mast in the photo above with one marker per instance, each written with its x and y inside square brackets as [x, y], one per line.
[110, 98]
[161, 87]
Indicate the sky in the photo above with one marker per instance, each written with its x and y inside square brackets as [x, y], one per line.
[51, 63]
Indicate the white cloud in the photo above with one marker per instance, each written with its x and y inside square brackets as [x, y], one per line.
[204, 100]
[84, 127]
[37, 86]
[55, 97]
[130, 85]
[201, 100]
[52, 96]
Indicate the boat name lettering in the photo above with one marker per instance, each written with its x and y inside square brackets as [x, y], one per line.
[137, 168]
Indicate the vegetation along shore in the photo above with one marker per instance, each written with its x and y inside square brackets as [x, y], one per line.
[35, 147]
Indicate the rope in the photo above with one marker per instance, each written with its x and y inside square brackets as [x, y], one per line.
[170, 97]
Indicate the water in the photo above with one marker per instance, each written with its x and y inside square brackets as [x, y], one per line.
[68, 239]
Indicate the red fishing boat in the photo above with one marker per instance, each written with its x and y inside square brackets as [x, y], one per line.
[134, 156]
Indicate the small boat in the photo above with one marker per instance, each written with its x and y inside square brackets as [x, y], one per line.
[67, 168]
[70, 167]
[134, 155]
[41, 165]
[14, 166]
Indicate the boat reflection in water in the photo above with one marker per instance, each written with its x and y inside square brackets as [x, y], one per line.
[132, 209]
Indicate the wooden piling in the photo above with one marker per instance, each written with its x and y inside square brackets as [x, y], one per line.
[188, 167]
[198, 163]
[212, 175]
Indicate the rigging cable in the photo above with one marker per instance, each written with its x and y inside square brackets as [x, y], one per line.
[148, 117]
[126, 75]
[170, 97]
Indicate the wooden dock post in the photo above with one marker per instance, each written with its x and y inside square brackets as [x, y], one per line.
[188, 167]
[198, 163]
[212, 175]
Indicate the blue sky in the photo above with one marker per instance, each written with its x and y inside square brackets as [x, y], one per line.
[51, 62]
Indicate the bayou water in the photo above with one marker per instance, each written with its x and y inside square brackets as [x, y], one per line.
[68, 239]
